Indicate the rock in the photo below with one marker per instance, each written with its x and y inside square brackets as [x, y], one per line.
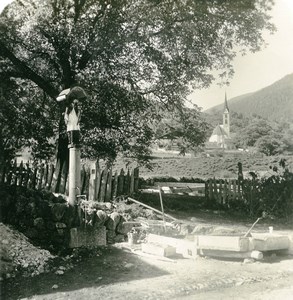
[101, 217]
[128, 266]
[58, 210]
[248, 261]
[59, 272]
[113, 221]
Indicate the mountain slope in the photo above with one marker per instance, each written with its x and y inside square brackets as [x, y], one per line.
[274, 102]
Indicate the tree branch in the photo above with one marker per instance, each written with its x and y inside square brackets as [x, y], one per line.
[27, 72]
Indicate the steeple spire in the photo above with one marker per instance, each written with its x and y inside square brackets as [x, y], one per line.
[226, 108]
[226, 117]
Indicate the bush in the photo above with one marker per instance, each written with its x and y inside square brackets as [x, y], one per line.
[273, 195]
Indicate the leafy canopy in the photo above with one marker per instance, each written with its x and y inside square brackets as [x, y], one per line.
[131, 56]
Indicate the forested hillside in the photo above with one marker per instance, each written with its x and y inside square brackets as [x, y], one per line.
[274, 102]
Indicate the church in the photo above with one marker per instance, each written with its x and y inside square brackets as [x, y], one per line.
[221, 137]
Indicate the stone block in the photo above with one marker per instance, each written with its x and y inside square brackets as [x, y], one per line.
[227, 243]
[269, 242]
[187, 248]
[87, 237]
[158, 250]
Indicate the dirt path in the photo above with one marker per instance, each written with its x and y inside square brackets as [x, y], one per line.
[117, 273]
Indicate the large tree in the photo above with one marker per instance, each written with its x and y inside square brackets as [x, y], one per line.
[134, 58]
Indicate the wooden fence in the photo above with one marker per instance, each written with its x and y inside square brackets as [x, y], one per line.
[97, 184]
[223, 191]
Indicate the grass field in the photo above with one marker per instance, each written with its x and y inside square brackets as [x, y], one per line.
[224, 166]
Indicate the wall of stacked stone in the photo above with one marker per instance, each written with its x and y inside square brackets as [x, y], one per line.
[46, 218]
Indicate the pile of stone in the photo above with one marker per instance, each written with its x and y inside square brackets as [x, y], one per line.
[18, 254]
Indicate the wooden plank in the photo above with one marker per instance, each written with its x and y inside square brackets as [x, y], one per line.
[234, 190]
[50, 177]
[120, 183]
[149, 207]
[126, 183]
[115, 186]
[225, 192]
[8, 173]
[131, 183]
[221, 192]
[14, 174]
[2, 172]
[92, 183]
[98, 181]
[26, 178]
[85, 190]
[45, 178]
[136, 179]
[40, 177]
[63, 179]
[103, 185]
[56, 178]
[33, 178]
[180, 184]
[82, 178]
[20, 174]
[109, 185]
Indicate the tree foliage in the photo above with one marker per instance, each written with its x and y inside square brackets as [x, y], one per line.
[131, 56]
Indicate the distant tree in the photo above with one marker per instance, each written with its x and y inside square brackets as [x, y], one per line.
[187, 128]
[131, 56]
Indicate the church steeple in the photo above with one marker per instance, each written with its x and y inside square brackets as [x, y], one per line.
[226, 117]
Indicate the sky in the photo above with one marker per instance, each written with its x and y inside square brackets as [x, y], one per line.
[253, 71]
[256, 71]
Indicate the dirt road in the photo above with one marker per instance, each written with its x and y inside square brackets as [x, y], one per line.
[116, 273]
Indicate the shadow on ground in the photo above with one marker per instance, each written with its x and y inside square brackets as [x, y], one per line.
[113, 266]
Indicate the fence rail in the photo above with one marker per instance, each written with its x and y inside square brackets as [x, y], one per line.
[98, 184]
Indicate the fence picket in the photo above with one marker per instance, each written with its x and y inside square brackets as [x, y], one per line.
[103, 185]
[115, 185]
[109, 185]
[120, 183]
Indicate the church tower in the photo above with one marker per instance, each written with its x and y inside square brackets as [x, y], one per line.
[226, 117]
